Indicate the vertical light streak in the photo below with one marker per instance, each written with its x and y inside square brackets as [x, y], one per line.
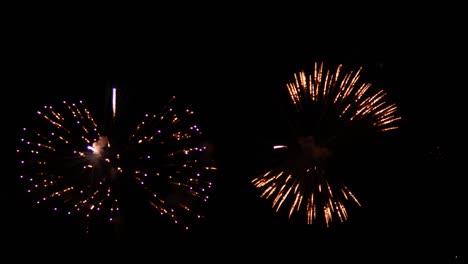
[114, 102]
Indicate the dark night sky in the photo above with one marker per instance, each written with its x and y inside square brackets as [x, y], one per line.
[235, 79]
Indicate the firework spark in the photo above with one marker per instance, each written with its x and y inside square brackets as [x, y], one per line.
[68, 164]
[330, 108]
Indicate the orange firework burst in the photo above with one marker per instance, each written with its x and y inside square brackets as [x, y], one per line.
[330, 108]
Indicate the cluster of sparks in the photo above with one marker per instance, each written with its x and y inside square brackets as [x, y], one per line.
[330, 104]
[68, 164]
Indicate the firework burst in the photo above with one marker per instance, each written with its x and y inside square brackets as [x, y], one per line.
[68, 164]
[331, 109]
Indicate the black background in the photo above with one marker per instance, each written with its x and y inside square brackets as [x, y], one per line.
[232, 70]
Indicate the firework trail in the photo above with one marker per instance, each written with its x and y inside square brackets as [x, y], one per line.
[69, 165]
[330, 109]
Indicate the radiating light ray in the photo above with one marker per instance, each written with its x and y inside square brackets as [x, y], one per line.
[330, 107]
[69, 165]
